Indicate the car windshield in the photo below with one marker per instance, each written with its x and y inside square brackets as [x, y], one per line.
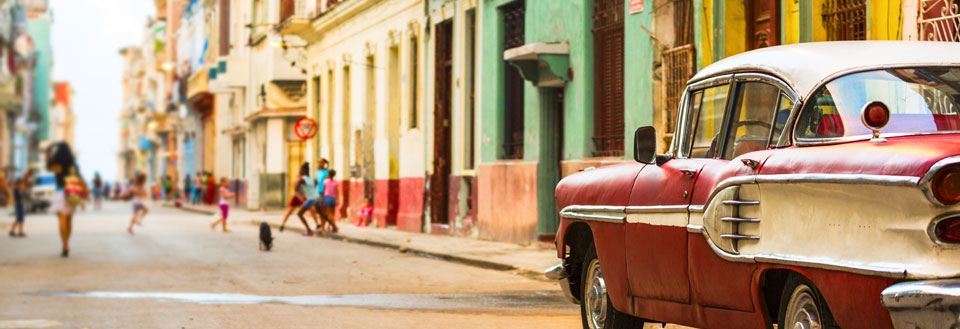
[921, 100]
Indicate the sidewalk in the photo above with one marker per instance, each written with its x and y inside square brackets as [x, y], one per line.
[528, 261]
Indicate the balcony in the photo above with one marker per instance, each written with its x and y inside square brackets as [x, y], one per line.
[295, 15]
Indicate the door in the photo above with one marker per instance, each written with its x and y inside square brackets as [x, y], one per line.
[295, 151]
[656, 232]
[763, 23]
[752, 125]
[440, 179]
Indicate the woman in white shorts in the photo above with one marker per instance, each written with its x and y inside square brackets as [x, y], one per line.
[60, 161]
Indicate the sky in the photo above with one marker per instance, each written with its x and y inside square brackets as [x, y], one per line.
[87, 36]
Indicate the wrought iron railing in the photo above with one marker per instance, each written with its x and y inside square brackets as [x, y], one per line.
[677, 69]
[939, 20]
[845, 19]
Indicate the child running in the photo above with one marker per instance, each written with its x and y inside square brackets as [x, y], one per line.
[224, 205]
[138, 193]
[307, 187]
[330, 200]
[295, 202]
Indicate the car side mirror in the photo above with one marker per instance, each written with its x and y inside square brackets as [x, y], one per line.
[645, 145]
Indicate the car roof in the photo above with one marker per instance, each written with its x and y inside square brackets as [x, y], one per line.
[804, 66]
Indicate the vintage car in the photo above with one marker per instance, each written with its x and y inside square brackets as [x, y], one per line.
[806, 186]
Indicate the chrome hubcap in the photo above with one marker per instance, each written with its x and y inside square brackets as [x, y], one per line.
[802, 312]
[595, 296]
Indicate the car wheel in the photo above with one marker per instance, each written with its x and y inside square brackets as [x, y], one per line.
[803, 307]
[596, 310]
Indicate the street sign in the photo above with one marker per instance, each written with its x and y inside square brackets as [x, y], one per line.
[306, 128]
[636, 6]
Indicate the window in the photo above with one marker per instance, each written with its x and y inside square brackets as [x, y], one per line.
[414, 83]
[920, 100]
[470, 115]
[845, 19]
[608, 40]
[317, 91]
[707, 108]
[513, 106]
[260, 19]
[224, 27]
[756, 120]
[758, 105]
[777, 137]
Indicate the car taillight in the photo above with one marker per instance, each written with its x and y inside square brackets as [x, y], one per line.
[946, 185]
[948, 230]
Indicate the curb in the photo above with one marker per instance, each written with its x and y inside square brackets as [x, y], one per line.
[424, 253]
[535, 275]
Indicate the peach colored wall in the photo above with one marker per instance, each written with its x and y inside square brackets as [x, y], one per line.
[507, 201]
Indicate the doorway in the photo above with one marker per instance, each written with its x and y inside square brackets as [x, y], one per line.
[763, 23]
[295, 157]
[440, 179]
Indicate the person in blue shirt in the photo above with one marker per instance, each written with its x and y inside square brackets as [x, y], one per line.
[323, 171]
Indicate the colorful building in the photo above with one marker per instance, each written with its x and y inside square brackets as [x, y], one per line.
[365, 63]
[557, 95]
[460, 116]
[62, 119]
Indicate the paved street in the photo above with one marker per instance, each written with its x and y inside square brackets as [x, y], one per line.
[177, 273]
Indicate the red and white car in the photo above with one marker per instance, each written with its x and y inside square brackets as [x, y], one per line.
[807, 186]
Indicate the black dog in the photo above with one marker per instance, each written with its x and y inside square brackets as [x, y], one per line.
[266, 237]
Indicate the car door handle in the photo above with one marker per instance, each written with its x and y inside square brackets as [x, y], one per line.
[688, 172]
[750, 163]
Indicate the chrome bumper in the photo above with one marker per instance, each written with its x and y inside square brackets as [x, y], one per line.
[931, 304]
[558, 273]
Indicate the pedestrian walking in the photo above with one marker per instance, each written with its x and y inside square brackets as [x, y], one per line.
[97, 190]
[20, 189]
[196, 188]
[225, 194]
[62, 163]
[139, 195]
[330, 200]
[187, 187]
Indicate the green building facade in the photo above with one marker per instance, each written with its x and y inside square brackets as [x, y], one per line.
[557, 61]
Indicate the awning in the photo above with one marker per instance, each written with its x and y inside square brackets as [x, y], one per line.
[543, 64]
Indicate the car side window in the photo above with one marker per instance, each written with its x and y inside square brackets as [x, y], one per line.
[754, 119]
[784, 106]
[707, 108]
